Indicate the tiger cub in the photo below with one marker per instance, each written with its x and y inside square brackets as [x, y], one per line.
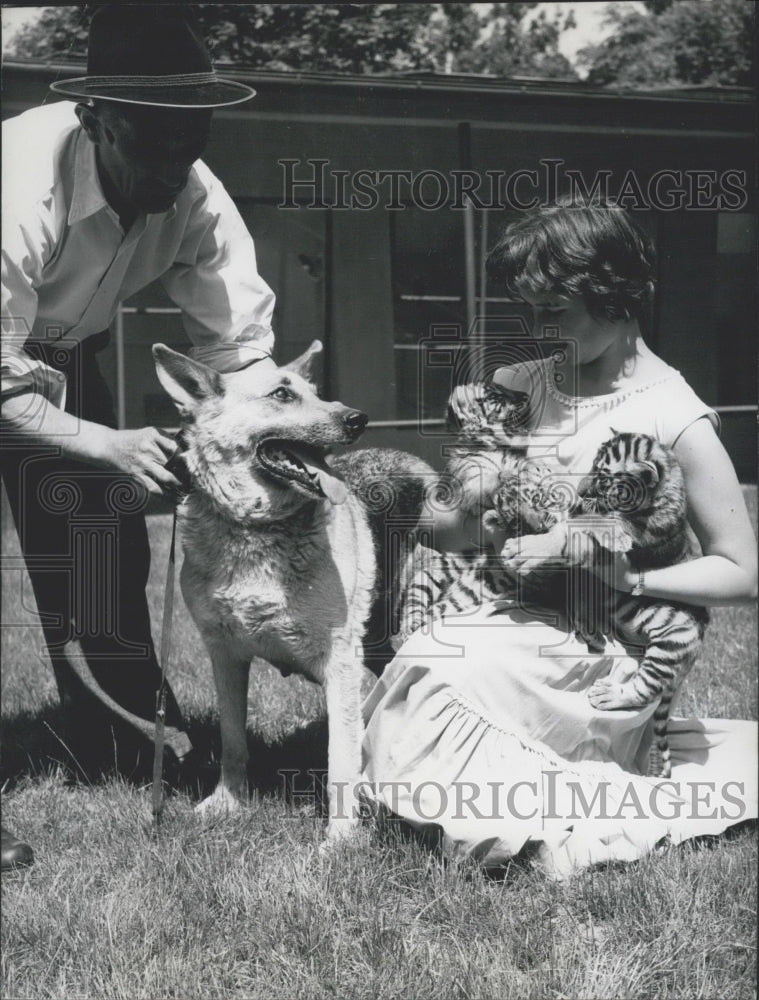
[489, 478]
[437, 584]
[633, 501]
[490, 423]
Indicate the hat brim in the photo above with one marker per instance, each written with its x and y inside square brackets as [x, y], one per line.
[218, 94]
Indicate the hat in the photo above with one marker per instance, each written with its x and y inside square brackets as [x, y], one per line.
[151, 54]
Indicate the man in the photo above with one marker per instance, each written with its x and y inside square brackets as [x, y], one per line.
[100, 198]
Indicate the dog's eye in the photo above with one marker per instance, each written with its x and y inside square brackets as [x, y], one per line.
[282, 393]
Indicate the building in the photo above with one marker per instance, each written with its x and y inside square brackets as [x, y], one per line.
[373, 199]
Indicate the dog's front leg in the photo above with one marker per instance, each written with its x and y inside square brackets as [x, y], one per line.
[231, 679]
[342, 692]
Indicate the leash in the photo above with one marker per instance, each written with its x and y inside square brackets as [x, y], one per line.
[159, 740]
[177, 467]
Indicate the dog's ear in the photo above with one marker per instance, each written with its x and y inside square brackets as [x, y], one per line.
[186, 381]
[303, 365]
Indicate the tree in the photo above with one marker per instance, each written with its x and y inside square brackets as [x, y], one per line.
[342, 38]
[59, 33]
[504, 39]
[516, 44]
[671, 44]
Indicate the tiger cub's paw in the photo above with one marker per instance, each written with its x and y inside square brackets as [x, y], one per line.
[606, 695]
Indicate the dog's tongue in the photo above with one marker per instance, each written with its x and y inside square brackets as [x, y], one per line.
[330, 483]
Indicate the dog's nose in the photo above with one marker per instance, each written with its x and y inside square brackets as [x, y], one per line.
[355, 421]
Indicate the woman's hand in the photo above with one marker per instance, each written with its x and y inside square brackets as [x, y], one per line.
[141, 453]
[546, 553]
[535, 553]
[614, 569]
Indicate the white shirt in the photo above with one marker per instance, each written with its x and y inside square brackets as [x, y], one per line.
[567, 431]
[67, 263]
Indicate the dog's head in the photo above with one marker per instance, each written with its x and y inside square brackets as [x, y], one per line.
[257, 439]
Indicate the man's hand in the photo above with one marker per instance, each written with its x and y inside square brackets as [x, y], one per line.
[143, 454]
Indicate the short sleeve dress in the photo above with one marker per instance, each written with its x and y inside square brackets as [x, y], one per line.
[481, 730]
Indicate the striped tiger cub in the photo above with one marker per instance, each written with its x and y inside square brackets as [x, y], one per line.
[637, 484]
[437, 584]
[490, 423]
[489, 478]
[633, 501]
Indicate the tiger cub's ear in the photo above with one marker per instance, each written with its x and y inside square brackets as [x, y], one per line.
[650, 473]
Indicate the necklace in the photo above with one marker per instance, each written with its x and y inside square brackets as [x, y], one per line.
[600, 400]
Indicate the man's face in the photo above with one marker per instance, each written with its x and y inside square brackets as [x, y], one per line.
[146, 154]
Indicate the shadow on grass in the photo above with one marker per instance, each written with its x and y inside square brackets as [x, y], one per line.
[36, 742]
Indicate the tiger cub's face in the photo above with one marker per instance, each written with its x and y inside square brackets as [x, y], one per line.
[526, 502]
[488, 410]
[628, 472]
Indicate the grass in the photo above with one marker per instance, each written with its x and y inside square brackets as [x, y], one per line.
[248, 908]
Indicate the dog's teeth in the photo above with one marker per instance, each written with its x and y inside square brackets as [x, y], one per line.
[284, 459]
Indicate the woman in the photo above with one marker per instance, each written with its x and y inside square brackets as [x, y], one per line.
[484, 728]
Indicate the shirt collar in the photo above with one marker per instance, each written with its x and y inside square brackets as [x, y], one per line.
[88, 197]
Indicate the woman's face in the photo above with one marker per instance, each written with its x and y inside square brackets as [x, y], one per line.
[566, 319]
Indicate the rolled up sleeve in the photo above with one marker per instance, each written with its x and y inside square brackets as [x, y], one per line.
[26, 244]
[216, 284]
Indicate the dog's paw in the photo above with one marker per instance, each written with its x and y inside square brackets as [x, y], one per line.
[221, 802]
[342, 831]
[553, 860]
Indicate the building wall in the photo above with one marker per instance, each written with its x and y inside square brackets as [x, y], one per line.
[385, 288]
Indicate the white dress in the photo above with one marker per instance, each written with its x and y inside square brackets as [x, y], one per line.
[482, 731]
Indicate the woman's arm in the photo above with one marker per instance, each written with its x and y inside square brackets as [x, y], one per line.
[726, 573]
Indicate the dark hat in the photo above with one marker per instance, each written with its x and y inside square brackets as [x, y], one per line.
[151, 54]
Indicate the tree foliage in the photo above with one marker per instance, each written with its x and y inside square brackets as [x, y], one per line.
[503, 39]
[59, 33]
[521, 42]
[708, 42]
[342, 38]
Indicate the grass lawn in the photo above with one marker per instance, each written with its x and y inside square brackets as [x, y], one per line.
[248, 908]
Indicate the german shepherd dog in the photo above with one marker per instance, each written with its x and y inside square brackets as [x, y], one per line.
[283, 549]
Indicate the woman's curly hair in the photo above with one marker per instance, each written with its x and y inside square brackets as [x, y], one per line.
[592, 250]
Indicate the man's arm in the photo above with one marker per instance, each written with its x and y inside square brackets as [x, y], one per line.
[227, 307]
[142, 453]
[33, 393]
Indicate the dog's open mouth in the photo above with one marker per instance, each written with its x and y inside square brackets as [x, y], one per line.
[302, 465]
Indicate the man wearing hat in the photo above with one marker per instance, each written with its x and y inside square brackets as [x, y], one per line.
[101, 196]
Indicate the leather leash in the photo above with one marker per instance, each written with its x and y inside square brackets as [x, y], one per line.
[177, 466]
[160, 710]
